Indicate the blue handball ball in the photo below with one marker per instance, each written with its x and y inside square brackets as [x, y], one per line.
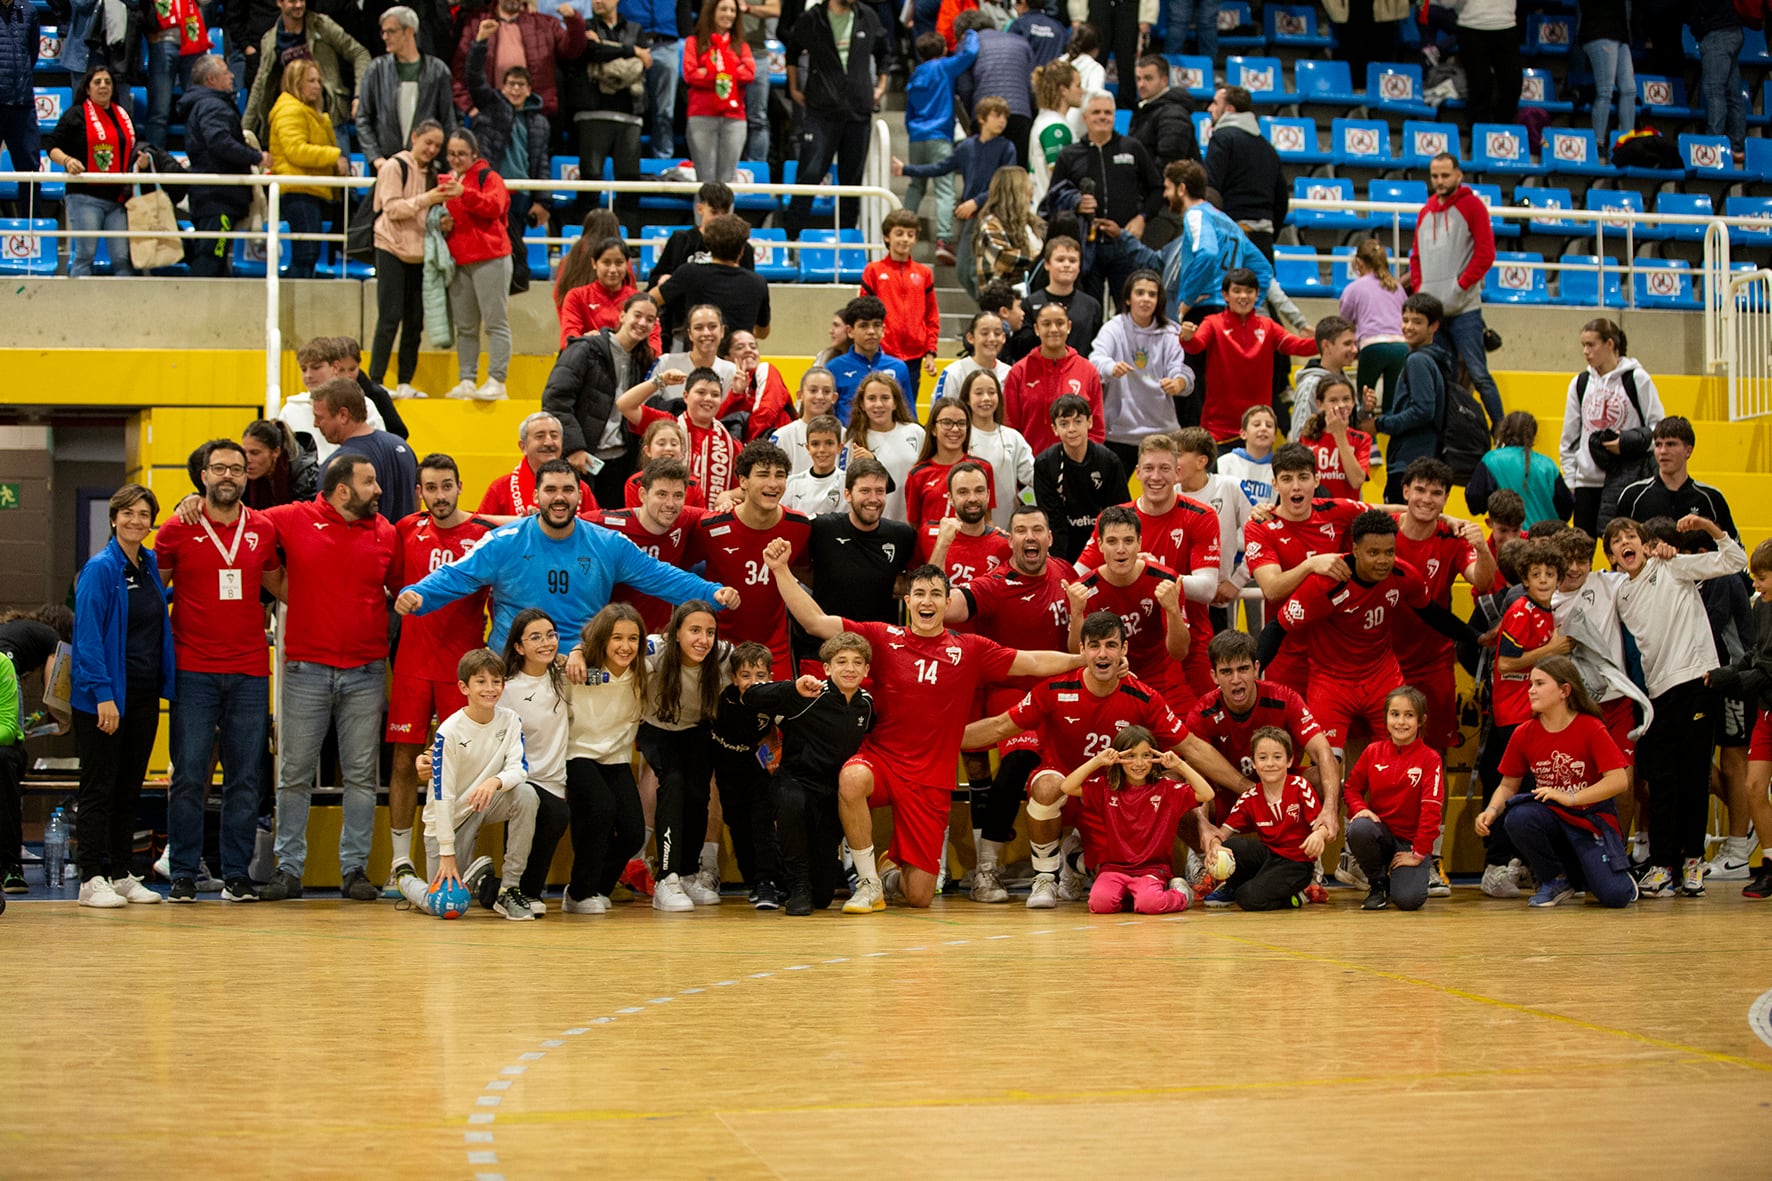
[449, 900]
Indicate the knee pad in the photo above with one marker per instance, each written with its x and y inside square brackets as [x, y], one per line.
[1039, 811]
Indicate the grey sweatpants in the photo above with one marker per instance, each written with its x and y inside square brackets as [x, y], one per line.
[516, 807]
[1373, 847]
[481, 292]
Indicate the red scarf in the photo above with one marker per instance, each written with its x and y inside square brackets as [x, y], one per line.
[109, 146]
[187, 18]
[712, 457]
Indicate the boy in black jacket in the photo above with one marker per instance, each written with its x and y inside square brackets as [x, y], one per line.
[1751, 678]
[822, 723]
[739, 729]
[1075, 478]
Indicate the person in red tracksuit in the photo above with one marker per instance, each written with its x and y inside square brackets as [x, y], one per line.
[1045, 375]
[913, 322]
[1240, 347]
[1395, 799]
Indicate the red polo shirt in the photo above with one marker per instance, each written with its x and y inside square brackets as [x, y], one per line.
[211, 634]
[340, 576]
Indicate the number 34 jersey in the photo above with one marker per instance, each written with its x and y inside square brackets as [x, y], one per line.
[734, 555]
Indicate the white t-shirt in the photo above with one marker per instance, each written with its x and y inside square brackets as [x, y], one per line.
[812, 494]
[1012, 467]
[605, 718]
[544, 717]
[1254, 476]
[1225, 495]
[681, 361]
[954, 375]
[1598, 600]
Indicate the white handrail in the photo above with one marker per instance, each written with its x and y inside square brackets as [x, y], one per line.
[1716, 280]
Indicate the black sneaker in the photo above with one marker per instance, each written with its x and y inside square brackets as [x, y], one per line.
[239, 890]
[1378, 896]
[183, 890]
[358, 888]
[800, 901]
[283, 884]
[766, 896]
[14, 882]
[1760, 884]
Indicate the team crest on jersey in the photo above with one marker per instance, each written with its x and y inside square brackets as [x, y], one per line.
[1175, 536]
[1076, 386]
[1414, 777]
[252, 539]
[584, 564]
[1327, 530]
[1147, 605]
[1433, 568]
[1391, 597]
[954, 654]
[890, 549]
[1095, 478]
[676, 537]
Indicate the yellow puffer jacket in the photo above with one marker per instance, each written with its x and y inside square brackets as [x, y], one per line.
[302, 144]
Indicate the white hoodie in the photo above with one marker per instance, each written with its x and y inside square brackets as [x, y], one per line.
[464, 755]
[1664, 610]
[1135, 404]
[1605, 406]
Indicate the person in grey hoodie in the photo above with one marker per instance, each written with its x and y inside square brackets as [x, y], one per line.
[1142, 367]
[1454, 248]
[1413, 423]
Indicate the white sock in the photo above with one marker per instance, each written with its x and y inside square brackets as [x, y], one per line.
[989, 852]
[710, 856]
[415, 890]
[864, 864]
[1046, 858]
[402, 845]
[1437, 841]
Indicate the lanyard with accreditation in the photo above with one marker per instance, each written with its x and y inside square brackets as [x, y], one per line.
[230, 586]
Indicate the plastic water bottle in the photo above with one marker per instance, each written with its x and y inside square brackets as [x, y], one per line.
[55, 849]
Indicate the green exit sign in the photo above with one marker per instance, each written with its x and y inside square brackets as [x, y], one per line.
[9, 496]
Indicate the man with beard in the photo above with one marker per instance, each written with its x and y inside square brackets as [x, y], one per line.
[340, 415]
[968, 544]
[540, 438]
[425, 681]
[662, 525]
[223, 682]
[339, 552]
[858, 558]
[556, 562]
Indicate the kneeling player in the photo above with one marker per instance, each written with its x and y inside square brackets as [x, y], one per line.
[1289, 823]
[1395, 799]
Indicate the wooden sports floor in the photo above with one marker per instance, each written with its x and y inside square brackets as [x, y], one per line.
[335, 1039]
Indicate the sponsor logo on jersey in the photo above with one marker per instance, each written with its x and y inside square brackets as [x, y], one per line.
[1069, 697]
[719, 530]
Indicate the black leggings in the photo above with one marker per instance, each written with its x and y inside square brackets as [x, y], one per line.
[12, 802]
[810, 833]
[1498, 847]
[111, 770]
[749, 813]
[399, 308]
[683, 760]
[995, 815]
[607, 824]
[551, 816]
[1265, 880]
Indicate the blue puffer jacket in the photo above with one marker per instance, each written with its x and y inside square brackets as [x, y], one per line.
[929, 98]
[658, 17]
[101, 624]
[18, 52]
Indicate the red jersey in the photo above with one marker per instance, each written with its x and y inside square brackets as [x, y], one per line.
[924, 686]
[1284, 826]
[713, 452]
[1075, 724]
[632, 493]
[1137, 824]
[340, 577]
[926, 489]
[1346, 626]
[913, 322]
[1184, 539]
[1240, 361]
[513, 495]
[1441, 558]
[1035, 382]
[432, 644]
[1279, 542]
[1147, 629]
[1228, 732]
[1578, 756]
[969, 557]
[218, 623]
[734, 555]
[1525, 626]
[1332, 479]
[668, 547]
[1403, 786]
[1029, 609]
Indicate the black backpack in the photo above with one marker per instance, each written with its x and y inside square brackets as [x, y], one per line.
[360, 240]
[1610, 463]
[1464, 431]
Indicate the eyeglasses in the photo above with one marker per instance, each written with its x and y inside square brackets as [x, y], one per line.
[227, 469]
[951, 424]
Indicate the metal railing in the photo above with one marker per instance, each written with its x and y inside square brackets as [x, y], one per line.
[1747, 334]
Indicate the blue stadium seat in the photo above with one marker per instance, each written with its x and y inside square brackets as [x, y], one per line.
[1294, 27]
[572, 234]
[1341, 269]
[332, 265]
[563, 168]
[1754, 54]
[1262, 77]
[1395, 87]
[1491, 197]
[1707, 157]
[1550, 199]
[1666, 283]
[1623, 201]
[1233, 15]
[1295, 140]
[138, 102]
[48, 190]
[1663, 98]
[826, 206]
[1412, 192]
[1299, 271]
[1361, 143]
[1686, 205]
[1123, 121]
[774, 262]
[1324, 188]
[1549, 34]
[649, 252]
[651, 169]
[823, 264]
[249, 254]
[1759, 152]
[1755, 207]
[1328, 83]
[1539, 89]
[49, 47]
[1422, 141]
[24, 247]
[1516, 277]
[1570, 151]
[1581, 288]
[746, 203]
[1502, 147]
[1193, 74]
[51, 102]
[536, 250]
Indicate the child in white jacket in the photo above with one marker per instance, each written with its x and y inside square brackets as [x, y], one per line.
[1144, 372]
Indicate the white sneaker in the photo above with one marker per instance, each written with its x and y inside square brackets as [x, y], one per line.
[163, 864]
[892, 885]
[987, 886]
[595, 904]
[1180, 885]
[1522, 874]
[1073, 884]
[703, 887]
[463, 389]
[492, 391]
[96, 892]
[599, 903]
[1731, 864]
[867, 897]
[1498, 882]
[670, 895]
[1438, 886]
[130, 889]
[1348, 871]
[403, 391]
[1692, 878]
[1044, 895]
[538, 907]
[1657, 883]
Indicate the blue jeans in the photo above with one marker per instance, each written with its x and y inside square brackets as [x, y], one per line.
[1612, 66]
[351, 699]
[1199, 17]
[756, 113]
[230, 710]
[1465, 333]
[1549, 845]
[1725, 105]
[931, 151]
[924, 15]
[661, 96]
[166, 68]
[19, 135]
[97, 213]
[306, 214]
